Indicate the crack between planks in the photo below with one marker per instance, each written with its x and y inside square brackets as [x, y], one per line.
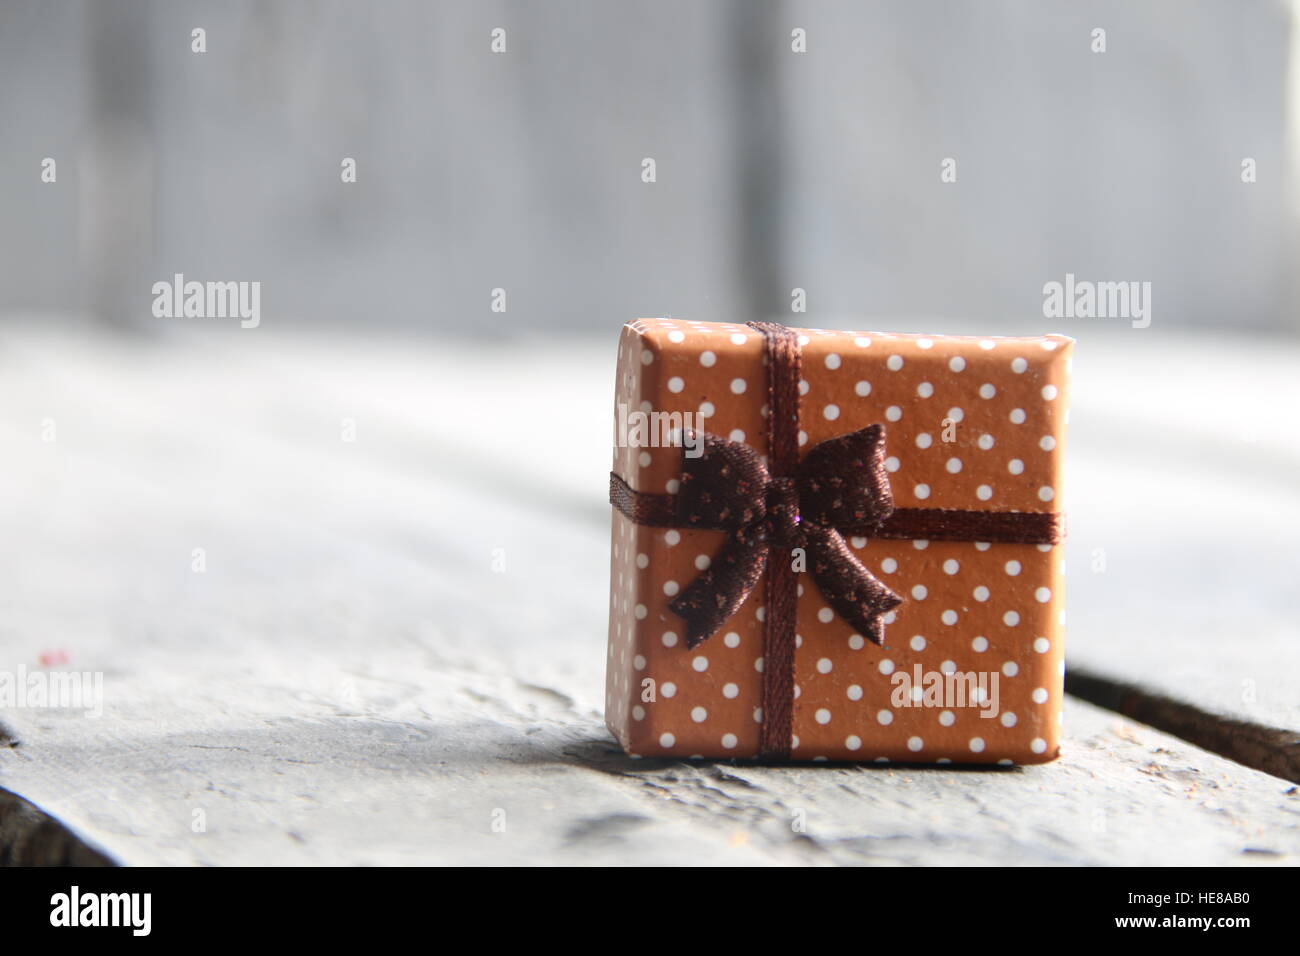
[1258, 746]
[31, 837]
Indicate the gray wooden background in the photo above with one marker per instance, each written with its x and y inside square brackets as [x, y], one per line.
[775, 170]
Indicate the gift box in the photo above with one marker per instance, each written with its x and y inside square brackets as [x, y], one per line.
[837, 545]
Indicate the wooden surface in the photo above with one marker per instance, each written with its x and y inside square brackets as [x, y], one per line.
[351, 681]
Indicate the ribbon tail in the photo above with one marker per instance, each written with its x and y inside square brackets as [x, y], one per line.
[720, 590]
[846, 584]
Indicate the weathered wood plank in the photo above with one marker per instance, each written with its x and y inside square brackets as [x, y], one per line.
[351, 682]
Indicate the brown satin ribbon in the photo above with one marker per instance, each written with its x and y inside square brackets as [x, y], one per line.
[839, 489]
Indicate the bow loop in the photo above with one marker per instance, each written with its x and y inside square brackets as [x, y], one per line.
[842, 481]
[724, 488]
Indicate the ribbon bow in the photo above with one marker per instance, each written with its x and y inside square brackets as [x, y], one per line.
[839, 484]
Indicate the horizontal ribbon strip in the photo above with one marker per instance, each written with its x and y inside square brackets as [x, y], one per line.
[928, 524]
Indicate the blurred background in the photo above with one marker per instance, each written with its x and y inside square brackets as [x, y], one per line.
[522, 170]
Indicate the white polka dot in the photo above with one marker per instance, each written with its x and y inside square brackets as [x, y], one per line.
[925, 389]
[670, 588]
[730, 691]
[1012, 568]
[1018, 365]
[953, 465]
[641, 612]
[980, 645]
[804, 387]
[672, 537]
[1017, 416]
[639, 662]
[947, 718]
[667, 740]
[852, 742]
[917, 642]
[863, 388]
[1042, 595]
[702, 562]
[886, 666]
[988, 345]
[1011, 619]
[919, 592]
[669, 639]
[951, 566]
[922, 491]
[700, 663]
[1039, 695]
[893, 413]
[1047, 443]
[738, 386]
[1046, 493]
[988, 390]
[643, 561]
[831, 412]
[738, 338]
[857, 642]
[824, 665]
[676, 384]
[949, 617]
[1011, 668]
[729, 741]
[643, 459]
[1038, 745]
[638, 712]
[981, 593]
[647, 357]
[956, 414]
[732, 639]
[915, 743]
[894, 362]
[676, 336]
[984, 492]
[823, 716]
[707, 410]
[737, 436]
[986, 441]
[832, 361]
[957, 363]
[1049, 392]
[889, 565]
[982, 545]
[862, 342]
[885, 716]
[825, 615]
[925, 343]
[1015, 466]
[854, 692]
[707, 359]
[891, 463]
[924, 440]
[1008, 719]
[1042, 645]
[699, 715]
[977, 744]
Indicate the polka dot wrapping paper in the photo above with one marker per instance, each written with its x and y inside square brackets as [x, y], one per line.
[971, 669]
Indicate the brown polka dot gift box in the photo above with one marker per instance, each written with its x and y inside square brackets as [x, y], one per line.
[837, 545]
